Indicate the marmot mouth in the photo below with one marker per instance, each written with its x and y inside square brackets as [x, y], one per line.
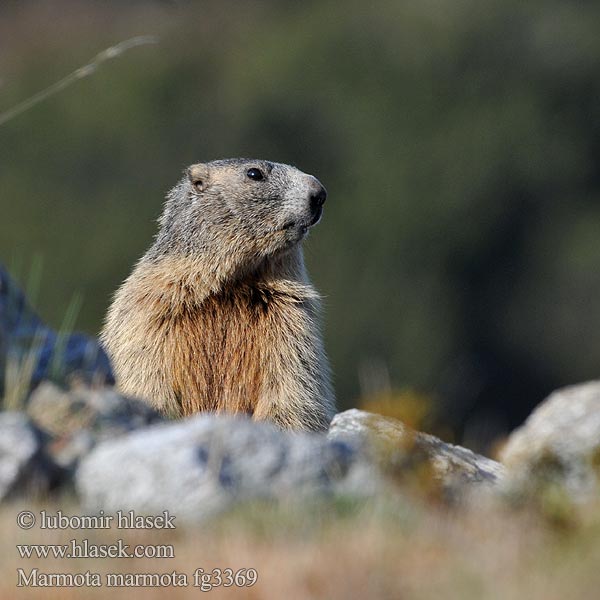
[303, 224]
[317, 216]
[296, 224]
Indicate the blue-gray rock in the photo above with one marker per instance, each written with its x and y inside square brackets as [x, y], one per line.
[23, 336]
[401, 452]
[205, 464]
[78, 419]
[25, 469]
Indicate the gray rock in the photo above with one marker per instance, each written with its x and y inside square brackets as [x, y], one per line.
[401, 451]
[24, 467]
[205, 464]
[558, 444]
[27, 343]
[78, 419]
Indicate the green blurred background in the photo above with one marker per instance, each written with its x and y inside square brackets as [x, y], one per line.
[459, 141]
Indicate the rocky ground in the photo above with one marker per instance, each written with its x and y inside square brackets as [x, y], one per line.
[110, 452]
[370, 508]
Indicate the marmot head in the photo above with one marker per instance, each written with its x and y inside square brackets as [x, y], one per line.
[239, 208]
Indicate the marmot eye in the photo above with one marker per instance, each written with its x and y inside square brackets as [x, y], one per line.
[255, 174]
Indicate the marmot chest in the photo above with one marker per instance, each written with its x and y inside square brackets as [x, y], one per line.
[221, 352]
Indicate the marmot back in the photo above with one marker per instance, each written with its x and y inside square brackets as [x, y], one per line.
[219, 314]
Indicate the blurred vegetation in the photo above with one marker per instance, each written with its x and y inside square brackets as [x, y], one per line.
[412, 549]
[458, 140]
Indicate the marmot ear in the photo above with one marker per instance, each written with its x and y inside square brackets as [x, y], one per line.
[198, 176]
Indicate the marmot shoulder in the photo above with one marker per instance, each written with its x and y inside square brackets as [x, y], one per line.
[219, 314]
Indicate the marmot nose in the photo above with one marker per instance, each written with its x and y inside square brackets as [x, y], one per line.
[318, 197]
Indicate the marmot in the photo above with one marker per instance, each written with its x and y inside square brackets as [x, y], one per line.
[219, 314]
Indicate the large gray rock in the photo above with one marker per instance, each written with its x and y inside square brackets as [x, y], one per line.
[24, 467]
[205, 464]
[78, 419]
[401, 452]
[558, 444]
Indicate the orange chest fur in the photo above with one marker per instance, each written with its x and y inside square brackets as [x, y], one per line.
[218, 356]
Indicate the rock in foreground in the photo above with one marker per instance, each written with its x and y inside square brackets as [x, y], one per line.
[203, 465]
[78, 419]
[558, 444]
[25, 470]
[399, 450]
